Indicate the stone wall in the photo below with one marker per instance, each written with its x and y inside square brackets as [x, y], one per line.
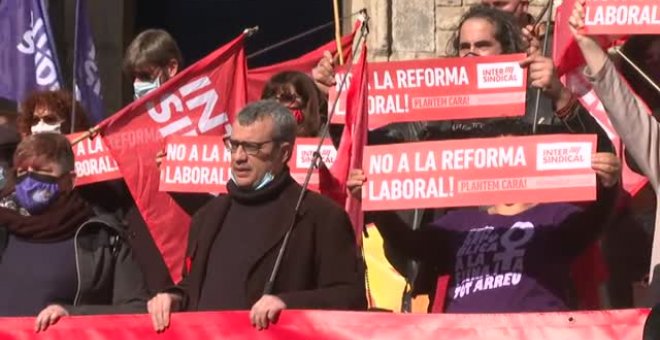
[414, 29]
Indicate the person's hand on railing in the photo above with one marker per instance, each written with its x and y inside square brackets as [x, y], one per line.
[48, 317]
[160, 308]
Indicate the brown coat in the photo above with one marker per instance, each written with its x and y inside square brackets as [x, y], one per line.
[321, 268]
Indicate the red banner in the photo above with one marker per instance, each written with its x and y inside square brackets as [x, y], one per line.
[203, 164]
[258, 77]
[472, 172]
[94, 163]
[292, 325]
[440, 89]
[622, 17]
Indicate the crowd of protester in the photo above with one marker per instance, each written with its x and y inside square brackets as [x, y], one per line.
[68, 250]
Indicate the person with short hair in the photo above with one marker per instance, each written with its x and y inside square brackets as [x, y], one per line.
[151, 59]
[235, 239]
[58, 257]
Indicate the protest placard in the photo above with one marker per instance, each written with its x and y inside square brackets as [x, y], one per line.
[622, 17]
[474, 172]
[93, 162]
[203, 164]
[440, 89]
[195, 164]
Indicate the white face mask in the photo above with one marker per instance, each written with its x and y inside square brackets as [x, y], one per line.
[141, 88]
[268, 177]
[43, 127]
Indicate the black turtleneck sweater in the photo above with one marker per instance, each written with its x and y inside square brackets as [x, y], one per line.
[246, 222]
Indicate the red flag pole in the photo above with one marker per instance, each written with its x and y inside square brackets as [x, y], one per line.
[268, 288]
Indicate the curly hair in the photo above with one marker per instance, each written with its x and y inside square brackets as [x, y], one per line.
[507, 31]
[60, 102]
[311, 98]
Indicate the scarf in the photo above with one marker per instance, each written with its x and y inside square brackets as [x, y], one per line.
[59, 222]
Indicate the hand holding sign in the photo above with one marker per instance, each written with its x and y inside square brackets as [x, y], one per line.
[542, 74]
[591, 49]
[608, 168]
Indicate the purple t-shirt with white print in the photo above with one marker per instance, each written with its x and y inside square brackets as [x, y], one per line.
[517, 263]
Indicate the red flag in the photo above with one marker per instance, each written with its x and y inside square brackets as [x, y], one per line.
[201, 100]
[354, 138]
[566, 53]
[258, 77]
[576, 82]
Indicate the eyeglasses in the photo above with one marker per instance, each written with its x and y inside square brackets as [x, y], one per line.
[250, 148]
[288, 98]
[49, 119]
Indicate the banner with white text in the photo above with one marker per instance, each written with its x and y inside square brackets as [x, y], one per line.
[622, 17]
[203, 163]
[473, 172]
[440, 89]
[94, 163]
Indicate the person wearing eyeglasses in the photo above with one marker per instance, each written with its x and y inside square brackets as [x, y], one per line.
[235, 239]
[299, 94]
[50, 111]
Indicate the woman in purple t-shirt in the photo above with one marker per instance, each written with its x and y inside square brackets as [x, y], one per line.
[510, 257]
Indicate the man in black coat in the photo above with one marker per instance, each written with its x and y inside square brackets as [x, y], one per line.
[235, 239]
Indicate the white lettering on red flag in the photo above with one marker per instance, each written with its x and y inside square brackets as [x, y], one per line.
[201, 100]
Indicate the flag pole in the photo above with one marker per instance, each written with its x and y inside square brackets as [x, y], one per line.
[544, 50]
[268, 288]
[335, 7]
[648, 79]
[75, 64]
[298, 36]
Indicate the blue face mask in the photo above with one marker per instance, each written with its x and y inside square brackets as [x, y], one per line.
[141, 88]
[267, 178]
[36, 192]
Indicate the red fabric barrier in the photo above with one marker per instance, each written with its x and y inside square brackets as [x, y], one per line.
[597, 325]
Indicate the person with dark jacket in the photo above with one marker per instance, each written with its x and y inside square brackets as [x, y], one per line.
[57, 256]
[235, 239]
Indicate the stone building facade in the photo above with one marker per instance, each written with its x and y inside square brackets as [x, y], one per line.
[414, 29]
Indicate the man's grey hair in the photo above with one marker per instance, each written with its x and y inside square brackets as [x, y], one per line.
[285, 123]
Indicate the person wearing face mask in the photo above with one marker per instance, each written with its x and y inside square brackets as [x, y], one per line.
[299, 94]
[151, 59]
[57, 256]
[235, 239]
[50, 111]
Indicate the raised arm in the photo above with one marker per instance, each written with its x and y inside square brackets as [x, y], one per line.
[639, 131]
